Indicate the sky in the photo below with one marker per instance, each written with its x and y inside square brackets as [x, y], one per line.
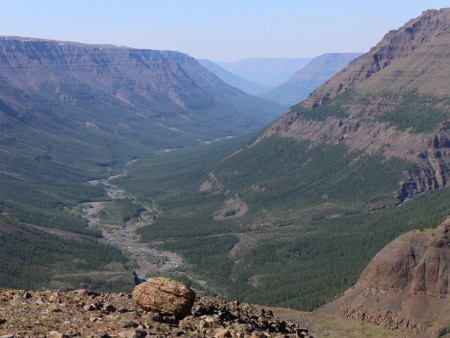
[219, 30]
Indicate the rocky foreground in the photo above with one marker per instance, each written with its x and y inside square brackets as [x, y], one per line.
[92, 314]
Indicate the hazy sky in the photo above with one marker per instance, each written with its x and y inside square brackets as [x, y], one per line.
[220, 30]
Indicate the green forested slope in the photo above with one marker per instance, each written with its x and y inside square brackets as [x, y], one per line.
[309, 247]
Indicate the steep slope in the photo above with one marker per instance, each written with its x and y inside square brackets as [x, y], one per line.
[405, 285]
[304, 206]
[306, 79]
[248, 86]
[394, 99]
[269, 71]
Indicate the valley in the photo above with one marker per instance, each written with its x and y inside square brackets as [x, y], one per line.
[120, 230]
[120, 164]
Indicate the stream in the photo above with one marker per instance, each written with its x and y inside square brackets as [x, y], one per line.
[124, 237]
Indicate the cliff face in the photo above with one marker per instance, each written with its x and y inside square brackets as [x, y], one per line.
[394, 99]
[120, 71]
[405, 284]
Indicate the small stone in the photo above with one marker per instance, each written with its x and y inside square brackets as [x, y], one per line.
[100, 334]
[93, 318]
[132, 334]
[54, 308]
[27, 295]
[185, 324]
[82, 293]
[54, 298]
[222, 333]
[109, 307]
[55, 334]
[89, 307]
[7, 336]
[18, 300]
[152, 317]
[125, 323]
[211, 322]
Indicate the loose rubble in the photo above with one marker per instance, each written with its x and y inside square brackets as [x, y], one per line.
[84, 313]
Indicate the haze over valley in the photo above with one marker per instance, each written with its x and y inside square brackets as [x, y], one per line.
[308, 183]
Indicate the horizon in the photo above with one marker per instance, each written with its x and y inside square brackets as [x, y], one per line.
[219, 31]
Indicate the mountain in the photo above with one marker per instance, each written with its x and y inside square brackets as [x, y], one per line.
[292, 216]
[71, 113]
[234, 80]
[268, 71]
[139, 90]
[392, 100]
[288, 217]
[405, 285]
[306, 79]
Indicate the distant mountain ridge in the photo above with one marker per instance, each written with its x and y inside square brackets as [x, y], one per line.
[144, 99]
[170, 81]
[309, 77]
[269, 71]
[248, 86]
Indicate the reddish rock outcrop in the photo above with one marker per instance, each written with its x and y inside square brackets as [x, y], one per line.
[164, 296]
[418, 259]
[405, 286]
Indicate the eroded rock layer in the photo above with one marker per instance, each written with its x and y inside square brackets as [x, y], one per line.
[417, 259]
[405, 285]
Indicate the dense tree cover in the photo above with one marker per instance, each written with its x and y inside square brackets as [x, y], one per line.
[31, 258]
[418, 113]
[304, 268]
[316, 215]
[330, 214]
[119, 211]
[41, 192]
[296, 177]
[207, 253]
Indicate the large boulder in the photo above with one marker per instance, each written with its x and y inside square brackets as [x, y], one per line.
[165, 296]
